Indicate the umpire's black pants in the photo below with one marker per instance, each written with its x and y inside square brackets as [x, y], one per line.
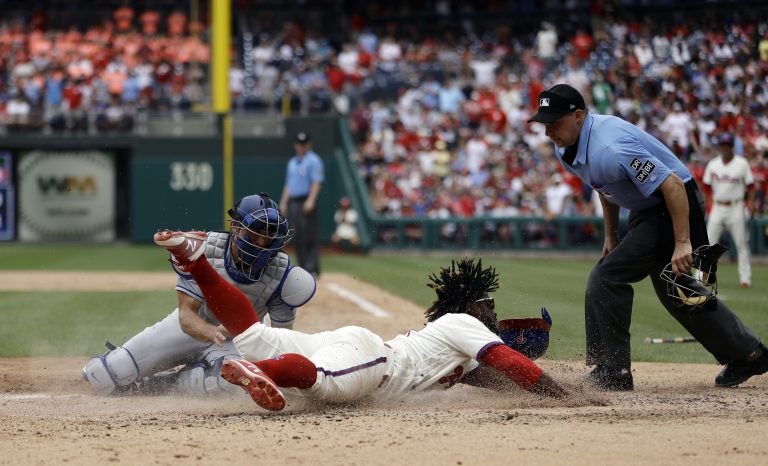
[646, 250]
[306, 233]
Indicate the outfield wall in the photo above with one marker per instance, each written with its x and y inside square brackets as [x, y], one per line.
[102, 188]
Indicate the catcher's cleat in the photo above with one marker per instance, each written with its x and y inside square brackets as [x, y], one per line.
[609, 379]
[185, 247]
[261, 388]
[737, 372]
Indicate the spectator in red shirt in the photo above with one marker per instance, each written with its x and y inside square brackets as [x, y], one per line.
[729, 119]
[336, 76]
[583, 43]
[177, 24]
[73, 95]
[123, 19]
[535, 87]
[150, 20]
[464, 205]
[497, 120]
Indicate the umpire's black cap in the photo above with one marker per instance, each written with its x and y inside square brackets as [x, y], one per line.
[558, 101]
[302, 138]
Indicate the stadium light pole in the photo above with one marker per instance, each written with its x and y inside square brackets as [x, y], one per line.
[221, 14]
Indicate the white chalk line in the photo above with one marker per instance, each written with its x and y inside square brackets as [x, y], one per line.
[33, 396]
[363, 303]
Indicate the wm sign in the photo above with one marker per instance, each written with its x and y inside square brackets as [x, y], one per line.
[66, 196]
[67, 184]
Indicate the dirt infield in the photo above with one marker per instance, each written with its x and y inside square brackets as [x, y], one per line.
[675, 415]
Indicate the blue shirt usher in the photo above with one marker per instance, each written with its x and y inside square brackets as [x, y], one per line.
[302, 172]
[622, 162]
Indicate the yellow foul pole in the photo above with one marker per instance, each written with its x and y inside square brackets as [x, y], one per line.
[221, 14]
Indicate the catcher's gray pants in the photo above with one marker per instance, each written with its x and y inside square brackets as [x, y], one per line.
[645, 250]
[164, 346]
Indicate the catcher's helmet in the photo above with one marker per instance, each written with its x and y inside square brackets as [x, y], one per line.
[257, 232]
[527, 336]
[696, 288]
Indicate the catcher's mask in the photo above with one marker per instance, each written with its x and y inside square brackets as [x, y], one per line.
[257, 232]
[699, 286]
[527, 336]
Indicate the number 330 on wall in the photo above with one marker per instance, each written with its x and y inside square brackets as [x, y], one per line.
[191, 176]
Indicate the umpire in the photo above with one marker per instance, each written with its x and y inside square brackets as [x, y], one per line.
[303, 180]
[630, 168]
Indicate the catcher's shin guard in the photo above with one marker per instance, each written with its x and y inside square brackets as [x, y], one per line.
[110, 371]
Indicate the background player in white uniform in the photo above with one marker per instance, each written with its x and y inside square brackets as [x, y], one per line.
[730, 180]
[457, 344]
[249, 258]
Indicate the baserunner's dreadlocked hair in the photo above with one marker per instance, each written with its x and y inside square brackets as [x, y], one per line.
[459, 285]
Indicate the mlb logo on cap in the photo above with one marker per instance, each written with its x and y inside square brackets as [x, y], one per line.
[556, 102]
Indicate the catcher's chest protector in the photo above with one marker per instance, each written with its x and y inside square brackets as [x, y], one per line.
[257, 292]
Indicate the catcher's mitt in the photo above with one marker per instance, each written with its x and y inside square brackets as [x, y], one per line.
[527, 336]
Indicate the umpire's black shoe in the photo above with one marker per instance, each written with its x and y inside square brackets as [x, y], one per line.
[736, 372]
[611, 379]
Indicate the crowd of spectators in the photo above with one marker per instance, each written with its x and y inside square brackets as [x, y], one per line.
[437, 93]
[454, 142]
[101, 75]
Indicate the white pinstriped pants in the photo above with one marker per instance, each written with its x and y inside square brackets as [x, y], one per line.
[731, 218]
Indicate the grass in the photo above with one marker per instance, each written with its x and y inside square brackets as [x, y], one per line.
[117, 256]
[78, 323]
[528, 284]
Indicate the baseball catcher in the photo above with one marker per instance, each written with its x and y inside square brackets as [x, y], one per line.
[248, 258]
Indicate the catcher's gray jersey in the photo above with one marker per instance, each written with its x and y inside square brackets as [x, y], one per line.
[263, 293]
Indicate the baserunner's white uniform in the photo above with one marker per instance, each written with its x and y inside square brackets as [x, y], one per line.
[729, 182]
[353, 362]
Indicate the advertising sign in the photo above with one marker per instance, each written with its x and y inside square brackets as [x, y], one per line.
[7, 206]
[5, 169]
[66, 196]
[6, 213]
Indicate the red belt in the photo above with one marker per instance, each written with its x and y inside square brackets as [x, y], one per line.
[725, 202]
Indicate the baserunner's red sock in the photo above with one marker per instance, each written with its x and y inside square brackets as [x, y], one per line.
[230, 306]
[290, 370]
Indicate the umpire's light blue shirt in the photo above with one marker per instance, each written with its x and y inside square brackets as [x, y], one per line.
[624, 163]
[302, 172]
